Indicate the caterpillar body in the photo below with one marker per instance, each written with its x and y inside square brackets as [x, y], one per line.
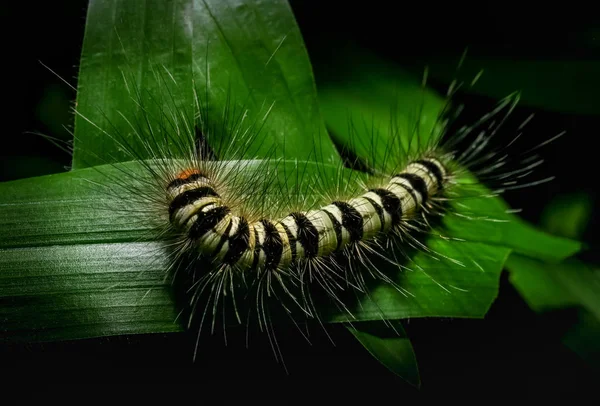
[197, 210]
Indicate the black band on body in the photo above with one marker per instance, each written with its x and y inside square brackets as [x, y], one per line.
[257, 248]
[417, 183]
[351, 220]
[434, 170]
[308, 235]
[189, 197]
[391, 204]
[223, 239]
[238, 243]
[272, 245]
[207, 220]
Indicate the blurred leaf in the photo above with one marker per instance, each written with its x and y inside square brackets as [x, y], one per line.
[377, 111]
[584, 338]
[508, 230]
[391, 347]
[567, 215]
[547, 286]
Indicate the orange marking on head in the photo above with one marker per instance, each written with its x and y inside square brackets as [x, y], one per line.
[187, 173]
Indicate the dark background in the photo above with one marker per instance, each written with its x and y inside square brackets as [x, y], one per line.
[513, 350]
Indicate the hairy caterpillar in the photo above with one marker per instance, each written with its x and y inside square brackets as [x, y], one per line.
[228, 233]
[245, 186]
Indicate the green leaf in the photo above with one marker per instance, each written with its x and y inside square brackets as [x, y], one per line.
[378, 111]
[128, 49]
[569, 284]
[567, 215]
[390, 346]
[553, 286]
[154, 60]
[72, 268]
[256, 53]
[507, 230]
[584, 338]
[144, 63]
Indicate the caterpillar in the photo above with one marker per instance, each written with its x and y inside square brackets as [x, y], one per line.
[197, 210]
[236, 218]
[232, 225]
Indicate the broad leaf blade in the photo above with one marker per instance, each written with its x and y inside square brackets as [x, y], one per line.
[130, 50]
[84, 290]
[70, 267]
[254, 51]
[154, 63]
